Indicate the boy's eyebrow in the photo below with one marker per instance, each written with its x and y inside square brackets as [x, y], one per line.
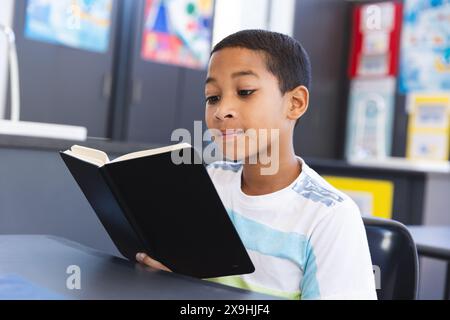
[235, 75]
[244, 73]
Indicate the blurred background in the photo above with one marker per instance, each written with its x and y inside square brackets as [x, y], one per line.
[121, 75]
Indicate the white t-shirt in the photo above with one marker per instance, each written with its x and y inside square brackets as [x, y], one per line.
[306, 241]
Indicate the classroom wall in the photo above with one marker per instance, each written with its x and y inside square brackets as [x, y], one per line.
[6, 18]
[282, 16]
[323, 29]
[234, 15]
[172, 96]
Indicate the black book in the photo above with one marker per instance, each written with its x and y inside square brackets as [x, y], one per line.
[149, 203]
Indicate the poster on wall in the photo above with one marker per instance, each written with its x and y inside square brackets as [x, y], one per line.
[425, 46]
[178, 32]
[373, 197]
[429, 127]
[375, 40]
[370, 118]
[80, 24]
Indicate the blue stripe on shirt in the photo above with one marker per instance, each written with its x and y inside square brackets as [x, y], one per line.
[285, 245]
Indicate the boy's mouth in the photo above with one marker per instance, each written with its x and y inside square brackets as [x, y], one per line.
[231, 133]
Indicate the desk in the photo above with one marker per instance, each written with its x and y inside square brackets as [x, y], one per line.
[43, 261]
[434, 242]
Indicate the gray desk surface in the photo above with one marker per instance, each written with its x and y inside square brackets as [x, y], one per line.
[432, 240]
[43, 261]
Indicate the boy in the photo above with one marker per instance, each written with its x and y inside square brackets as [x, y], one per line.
[305, 238]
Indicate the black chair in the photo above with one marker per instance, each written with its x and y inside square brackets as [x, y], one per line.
[394, 259]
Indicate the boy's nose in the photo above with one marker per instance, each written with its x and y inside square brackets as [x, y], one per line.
[224, 112]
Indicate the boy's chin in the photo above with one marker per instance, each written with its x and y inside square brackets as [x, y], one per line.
[234, 158]
[239, 156]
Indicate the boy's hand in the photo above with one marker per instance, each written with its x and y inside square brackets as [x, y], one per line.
[146, 260]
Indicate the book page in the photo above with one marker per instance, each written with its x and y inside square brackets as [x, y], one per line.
[151, 152]
[93, 156]
[83, 158]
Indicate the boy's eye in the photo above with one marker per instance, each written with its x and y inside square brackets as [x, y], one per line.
[212, 99]
[245, 92]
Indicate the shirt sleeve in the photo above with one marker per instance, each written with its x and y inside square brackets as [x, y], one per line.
[338, 263]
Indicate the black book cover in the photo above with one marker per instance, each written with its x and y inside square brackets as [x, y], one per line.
[171, 212]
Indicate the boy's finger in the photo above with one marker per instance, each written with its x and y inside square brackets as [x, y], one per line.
[140, 256]
[143, 258]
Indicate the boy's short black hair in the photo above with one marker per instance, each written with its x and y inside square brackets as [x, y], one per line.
[286, 57]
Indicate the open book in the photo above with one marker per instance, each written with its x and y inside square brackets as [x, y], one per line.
[100, 158]
[147, 203]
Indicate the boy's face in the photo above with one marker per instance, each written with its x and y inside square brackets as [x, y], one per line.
[243, 96]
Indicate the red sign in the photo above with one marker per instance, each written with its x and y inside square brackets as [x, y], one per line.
[375, 40]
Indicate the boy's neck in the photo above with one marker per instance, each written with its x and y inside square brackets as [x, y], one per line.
[254, 183]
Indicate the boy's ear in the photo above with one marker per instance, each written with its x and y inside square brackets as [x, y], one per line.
[298, 102]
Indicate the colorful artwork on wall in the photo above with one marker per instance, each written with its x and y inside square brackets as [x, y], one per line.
[429, 127]
[425, 53]
[80, 24]
[178, 32]
[370, 118]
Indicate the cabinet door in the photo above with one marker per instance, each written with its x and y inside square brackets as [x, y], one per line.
[320, 132]
[61, 83]
[193, 104]
[168, 96]
[154, 93]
